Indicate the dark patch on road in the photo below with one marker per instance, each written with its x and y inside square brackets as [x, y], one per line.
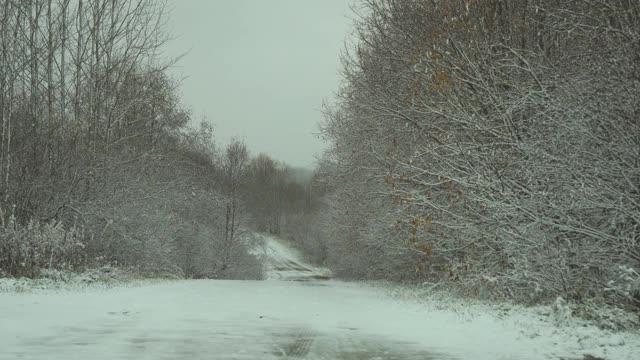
[310, 278]
[348, 344]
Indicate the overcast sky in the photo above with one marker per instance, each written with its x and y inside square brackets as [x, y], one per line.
[259, 69]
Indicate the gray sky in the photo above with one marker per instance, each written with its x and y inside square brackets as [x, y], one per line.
[259, 69]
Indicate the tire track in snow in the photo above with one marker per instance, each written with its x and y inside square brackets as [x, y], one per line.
[294, 344]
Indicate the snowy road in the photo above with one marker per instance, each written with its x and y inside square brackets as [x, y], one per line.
[297, 314]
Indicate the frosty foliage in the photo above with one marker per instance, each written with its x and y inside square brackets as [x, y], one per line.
[561, 312]
[27, 250]
[496, 142]
[99, 163]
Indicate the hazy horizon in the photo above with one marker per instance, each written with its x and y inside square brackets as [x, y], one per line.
[258, 70]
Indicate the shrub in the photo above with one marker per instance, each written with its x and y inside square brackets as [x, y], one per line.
[27, 249]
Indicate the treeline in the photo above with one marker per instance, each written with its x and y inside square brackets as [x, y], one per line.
[284, 201]
[493, 144]
[98, 162]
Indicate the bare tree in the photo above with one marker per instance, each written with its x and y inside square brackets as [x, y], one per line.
[234, 167]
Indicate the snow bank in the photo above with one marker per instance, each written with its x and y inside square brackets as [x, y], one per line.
[49, 280]
[552, 331]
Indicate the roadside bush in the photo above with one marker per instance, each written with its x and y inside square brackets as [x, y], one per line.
[507, 150]
[25, 250]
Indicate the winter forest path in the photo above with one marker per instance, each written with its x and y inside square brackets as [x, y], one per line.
[298, 313]
[284, 263]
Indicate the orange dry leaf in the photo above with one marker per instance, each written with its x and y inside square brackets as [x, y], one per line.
[442, 78]
[426, 249]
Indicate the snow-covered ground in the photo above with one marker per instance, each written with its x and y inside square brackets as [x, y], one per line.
[53, 280]
[285, 263]
[307, 318]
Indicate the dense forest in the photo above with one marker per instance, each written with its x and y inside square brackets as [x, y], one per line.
[102, 165]
[493, 145]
